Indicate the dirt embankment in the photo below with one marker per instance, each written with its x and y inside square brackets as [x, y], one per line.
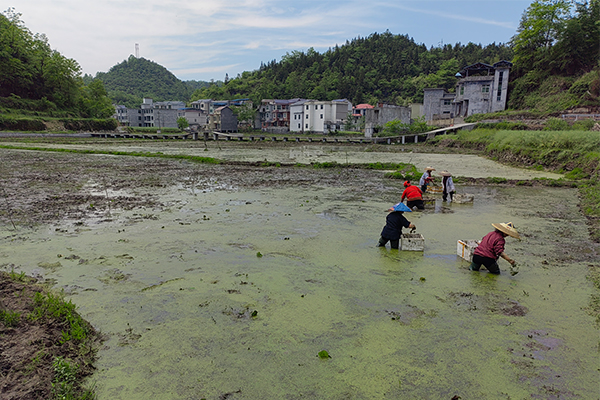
[31, 346]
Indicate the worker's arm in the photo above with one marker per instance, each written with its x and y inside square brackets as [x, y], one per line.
[507, 258]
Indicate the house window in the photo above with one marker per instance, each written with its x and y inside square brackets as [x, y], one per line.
[316, 106]
[447, 102]
[500, 78]
[321, 106]
[306, 116]
[321, 116]
[485, 88]
[462, 90]
[307, 106]
[306, 126]
[298, 126]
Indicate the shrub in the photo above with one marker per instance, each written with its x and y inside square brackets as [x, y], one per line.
[584, 125]
[21, 124]
[556, 124]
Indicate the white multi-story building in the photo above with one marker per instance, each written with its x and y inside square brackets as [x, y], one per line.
[319, 116]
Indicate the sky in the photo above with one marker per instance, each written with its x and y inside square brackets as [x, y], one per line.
[206, 39]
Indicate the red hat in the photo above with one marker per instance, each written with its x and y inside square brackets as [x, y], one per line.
[406, 183]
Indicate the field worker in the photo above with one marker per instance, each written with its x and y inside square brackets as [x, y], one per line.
[413, 196]
[426, 179]
[447, 186]
[394, 222]
[492, 247]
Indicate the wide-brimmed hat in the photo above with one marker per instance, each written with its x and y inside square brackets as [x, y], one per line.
[507, 228]
[445, 173]
[429, 169]
[400, 207]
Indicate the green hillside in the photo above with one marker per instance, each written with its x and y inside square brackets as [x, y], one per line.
[128, 82]
[555, 51]
[378, 68]
[40, 87]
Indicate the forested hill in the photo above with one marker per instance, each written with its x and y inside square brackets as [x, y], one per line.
[128, 82]
[381, 67]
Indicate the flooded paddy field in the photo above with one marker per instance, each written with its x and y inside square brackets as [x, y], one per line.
[227, 281]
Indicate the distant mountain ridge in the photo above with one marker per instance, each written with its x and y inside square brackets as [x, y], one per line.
[131, 80]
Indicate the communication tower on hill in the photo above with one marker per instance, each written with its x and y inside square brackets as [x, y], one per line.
[137, 50]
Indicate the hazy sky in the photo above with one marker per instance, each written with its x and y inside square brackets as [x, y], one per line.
[204, 39]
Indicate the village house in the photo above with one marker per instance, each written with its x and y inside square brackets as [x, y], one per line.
[274, 115]
[197, 119]
[150, 114]
[377, 117]
[319, 116]
[481, 89]
[223, 120]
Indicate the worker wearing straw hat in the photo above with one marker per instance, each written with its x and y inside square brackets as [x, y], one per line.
[426, 179]
[447, 186]
[491, 248]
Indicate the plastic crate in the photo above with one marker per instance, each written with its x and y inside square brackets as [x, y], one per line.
[462, 198]
[412, 242]
[465, 248]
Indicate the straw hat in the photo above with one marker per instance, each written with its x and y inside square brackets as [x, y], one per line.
[507, 228]
[429, 169]
[445, 173]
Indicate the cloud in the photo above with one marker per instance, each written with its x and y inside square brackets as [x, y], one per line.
[457, 17]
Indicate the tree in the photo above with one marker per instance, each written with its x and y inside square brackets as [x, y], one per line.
[245, 114]
[182, 123]
[578, 45]
[95, 102]
[30, 69]
[540, 26]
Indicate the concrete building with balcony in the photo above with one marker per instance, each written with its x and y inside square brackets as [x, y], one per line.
[319, 116]
[150, 114]
[223, 120]
[274, 115]
[481, 89]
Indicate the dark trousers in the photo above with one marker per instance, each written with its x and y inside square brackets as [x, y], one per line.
[415, 203]
[423, 188]
[445, 196]
[489, 263]
[394, 243]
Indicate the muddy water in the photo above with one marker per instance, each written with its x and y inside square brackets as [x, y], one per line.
[233, 293]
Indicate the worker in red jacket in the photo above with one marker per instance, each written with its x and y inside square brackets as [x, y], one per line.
[491, 248]
[413, 195]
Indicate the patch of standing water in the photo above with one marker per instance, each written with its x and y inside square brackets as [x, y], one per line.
[458, 164]
[234, 294]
